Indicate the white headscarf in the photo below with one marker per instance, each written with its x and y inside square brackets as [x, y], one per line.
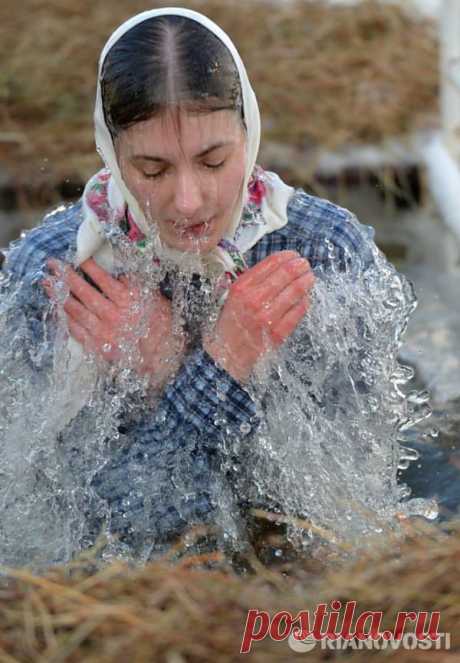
[76, 378]
[90, 239]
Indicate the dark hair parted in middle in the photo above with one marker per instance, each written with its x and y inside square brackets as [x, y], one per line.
[164, 62]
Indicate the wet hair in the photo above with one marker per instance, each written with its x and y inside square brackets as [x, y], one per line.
[167, 62]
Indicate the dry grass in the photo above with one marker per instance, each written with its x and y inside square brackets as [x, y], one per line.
[324, 76]
[181, 611]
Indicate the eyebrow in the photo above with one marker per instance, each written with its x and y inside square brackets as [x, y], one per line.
[156, 159]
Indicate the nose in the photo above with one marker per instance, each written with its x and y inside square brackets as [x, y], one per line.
[188, 198]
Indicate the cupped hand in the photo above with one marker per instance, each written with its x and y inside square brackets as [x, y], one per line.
[263, 308]
[108, 320]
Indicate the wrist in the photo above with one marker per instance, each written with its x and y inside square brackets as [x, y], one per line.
[225, 361]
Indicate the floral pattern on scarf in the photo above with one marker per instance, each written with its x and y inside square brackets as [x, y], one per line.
[97, 199]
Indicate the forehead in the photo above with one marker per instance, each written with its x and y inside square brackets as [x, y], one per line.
[192, 133]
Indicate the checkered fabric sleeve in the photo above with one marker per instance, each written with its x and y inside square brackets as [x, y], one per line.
[329, 236]
[24, 306]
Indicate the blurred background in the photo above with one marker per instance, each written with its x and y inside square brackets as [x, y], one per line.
[349, 91]
[360, 102]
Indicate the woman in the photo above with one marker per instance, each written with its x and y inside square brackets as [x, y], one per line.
[231, 250]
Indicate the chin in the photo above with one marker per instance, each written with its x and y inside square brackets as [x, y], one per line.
[195, 246]
[192, 245]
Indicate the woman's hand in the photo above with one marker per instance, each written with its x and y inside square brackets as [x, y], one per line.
[264, 306]
[106, 322]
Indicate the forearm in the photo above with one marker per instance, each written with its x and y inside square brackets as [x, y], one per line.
[27, 327]
[207, 397]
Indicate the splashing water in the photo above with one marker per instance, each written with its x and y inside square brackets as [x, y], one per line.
[330, 401]
[328, 449]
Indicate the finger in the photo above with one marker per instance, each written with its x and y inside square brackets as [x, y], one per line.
[263, 268]
[282, 276]
[81, 315]
[79, 333]
[132, 285]
[56, 267]
[87, 340]
[289, 322]
[47, 282]
[290, 296]
[83, 291]
[263, 295]
[110, 286]
[48, 287]
[131, 289]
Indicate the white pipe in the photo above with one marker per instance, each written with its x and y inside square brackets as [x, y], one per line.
[442, 154]
[444, 182]
[450, 71]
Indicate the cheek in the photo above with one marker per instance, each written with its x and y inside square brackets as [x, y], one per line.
[147, 198]
[231, 184]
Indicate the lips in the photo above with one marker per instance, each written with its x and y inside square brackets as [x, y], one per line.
[197, 230]
[195, 225]
[194, 229]
[190, 225]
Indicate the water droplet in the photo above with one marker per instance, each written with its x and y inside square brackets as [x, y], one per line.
[403, 374]
[418, 397]
[403, 491]
[245, 428]
[420, 506]
[161, 415]
[406, 453]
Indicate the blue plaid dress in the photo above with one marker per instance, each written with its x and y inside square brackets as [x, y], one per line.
[192, 405]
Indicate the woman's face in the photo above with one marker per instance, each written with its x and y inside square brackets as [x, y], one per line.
[186, 172]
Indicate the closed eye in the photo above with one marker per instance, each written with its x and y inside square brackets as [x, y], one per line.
[214, 166]
[154, 176]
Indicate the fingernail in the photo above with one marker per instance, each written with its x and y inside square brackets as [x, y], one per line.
[298, 262]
